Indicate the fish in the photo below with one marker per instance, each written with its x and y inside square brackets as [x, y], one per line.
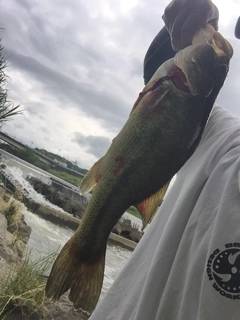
[163, 130]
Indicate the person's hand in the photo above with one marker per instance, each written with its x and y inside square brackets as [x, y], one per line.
[184, 17]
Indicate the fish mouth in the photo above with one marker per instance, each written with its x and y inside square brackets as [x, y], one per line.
[207, 71]
[205, 63]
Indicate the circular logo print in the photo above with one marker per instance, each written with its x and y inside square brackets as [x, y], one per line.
[226, 270]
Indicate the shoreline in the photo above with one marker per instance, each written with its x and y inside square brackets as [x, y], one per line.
[65, 220]
[56, 216]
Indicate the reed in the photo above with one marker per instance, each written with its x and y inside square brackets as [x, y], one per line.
[24, 287]
[7, 109]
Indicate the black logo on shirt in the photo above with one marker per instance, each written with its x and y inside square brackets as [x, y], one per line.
[223, 268]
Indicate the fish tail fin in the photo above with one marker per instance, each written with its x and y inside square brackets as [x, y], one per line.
[83, 278]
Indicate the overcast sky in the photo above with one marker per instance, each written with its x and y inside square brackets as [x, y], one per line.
[75, 66]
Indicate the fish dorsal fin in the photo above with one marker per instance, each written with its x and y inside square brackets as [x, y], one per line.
[91, 178]
[149, 206]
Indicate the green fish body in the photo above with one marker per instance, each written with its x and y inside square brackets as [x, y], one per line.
[161, 133]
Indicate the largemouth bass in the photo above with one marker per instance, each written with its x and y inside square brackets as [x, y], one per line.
[162, 132]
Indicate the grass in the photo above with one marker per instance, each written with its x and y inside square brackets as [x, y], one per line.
[133, 211]
[29, 156]
[76, 181]
[24, 288]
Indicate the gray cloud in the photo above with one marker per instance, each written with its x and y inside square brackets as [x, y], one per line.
[76, 62]
[97, 104]
[96, 145]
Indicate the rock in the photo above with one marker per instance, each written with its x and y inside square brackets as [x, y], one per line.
[6, 251]
[3, 230]
[129, 231]
[122, 241]
[60, 310]
[20, 248]
[21, 314]
[22, 229]
[2, 202]
[58, 217]
[78, 213]
[8, 183]
[7, 271]
[3, 165]
[10, 238]
[51, 194]
[135, 235]
[31, 204]
[16, 248]
[62, 196]
[117, 229]
[77, 209]
[3, 268]
[126, 225]
[126, 228]
[2, 191]
[66, 205]
[63, 310]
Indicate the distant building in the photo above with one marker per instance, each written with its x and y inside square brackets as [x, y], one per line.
[59, 163]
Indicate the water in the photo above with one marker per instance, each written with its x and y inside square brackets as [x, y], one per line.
[47, 237]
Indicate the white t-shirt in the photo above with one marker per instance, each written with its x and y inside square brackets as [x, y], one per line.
[187, 265]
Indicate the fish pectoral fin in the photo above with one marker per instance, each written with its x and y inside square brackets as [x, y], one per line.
[91, 178]
[83, 278]
[149, 206]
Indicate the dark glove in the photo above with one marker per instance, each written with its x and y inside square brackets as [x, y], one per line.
[159, 51]
[184, 17]
[237, 29]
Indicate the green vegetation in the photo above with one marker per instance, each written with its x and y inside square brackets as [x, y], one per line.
[70, 165]
[134, 211]
[26, 155]
[76, 181]
[7, 110]
[24, 287]
[29, 156]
